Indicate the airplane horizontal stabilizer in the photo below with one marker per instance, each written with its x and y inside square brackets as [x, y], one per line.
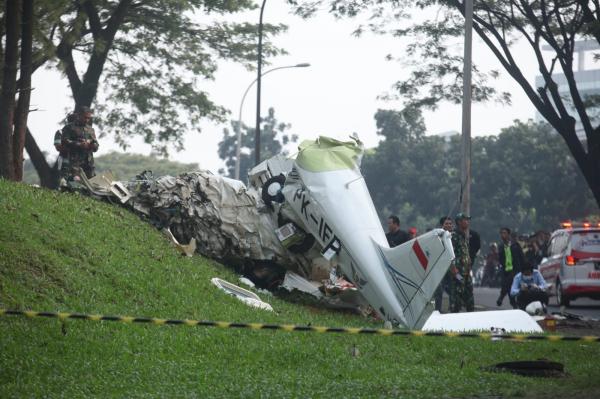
[415, 270]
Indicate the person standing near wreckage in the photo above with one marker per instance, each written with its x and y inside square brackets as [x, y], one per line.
[77, 145]
[447, 224]
[512, 260]
[461, 284]
[395, 236]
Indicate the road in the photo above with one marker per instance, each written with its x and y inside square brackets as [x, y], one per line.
[485, 299]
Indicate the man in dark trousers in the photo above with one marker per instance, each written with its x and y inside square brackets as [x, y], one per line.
[447, 224]
[461, 284]
[395, 236]
[529, 286]
[77, 143]
[474, 245]
[512, 260]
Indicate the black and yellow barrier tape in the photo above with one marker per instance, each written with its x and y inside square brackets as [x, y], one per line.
[291, 327]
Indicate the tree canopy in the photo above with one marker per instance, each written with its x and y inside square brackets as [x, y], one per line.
[522, 178]
[148, 60]
[273, 139]
[431, 28]
[17, 49]
[125, 166]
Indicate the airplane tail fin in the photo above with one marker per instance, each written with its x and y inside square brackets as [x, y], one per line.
[416, 268]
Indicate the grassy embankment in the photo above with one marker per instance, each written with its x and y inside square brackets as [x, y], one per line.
[63, 252]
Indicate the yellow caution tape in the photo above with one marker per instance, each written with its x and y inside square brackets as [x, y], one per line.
[291, 327]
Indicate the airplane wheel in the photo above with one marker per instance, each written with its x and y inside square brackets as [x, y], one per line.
[271, 190]
[561, 298]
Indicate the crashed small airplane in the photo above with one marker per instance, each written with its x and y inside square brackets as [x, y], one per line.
[322, 200]
[311, 215]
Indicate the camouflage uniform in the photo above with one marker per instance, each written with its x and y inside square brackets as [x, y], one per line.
[461, 293]
[75, 154]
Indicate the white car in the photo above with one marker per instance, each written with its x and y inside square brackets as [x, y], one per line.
[573, 262]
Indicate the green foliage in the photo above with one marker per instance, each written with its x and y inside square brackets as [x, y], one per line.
[63, 252]
[549, 32]
[406, 125]
[127, 166]
[273, 139]
[149, 60]
[535, 184]
[124, 166]
[523, 178]
[430, 56]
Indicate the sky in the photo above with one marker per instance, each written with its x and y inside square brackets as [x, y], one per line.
[335, 96]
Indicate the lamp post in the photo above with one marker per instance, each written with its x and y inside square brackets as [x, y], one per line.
[258, 76]
[239, 124]
[466, 112]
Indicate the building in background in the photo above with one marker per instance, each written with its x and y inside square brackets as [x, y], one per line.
[588, 80]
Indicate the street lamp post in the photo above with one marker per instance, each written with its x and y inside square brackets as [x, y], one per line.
[258, 76]
[239, 124]
[466, 112]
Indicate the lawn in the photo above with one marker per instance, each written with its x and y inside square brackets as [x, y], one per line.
[68, 253]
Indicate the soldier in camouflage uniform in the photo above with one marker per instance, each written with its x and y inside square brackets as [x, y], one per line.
[461, 284]
[76, 144]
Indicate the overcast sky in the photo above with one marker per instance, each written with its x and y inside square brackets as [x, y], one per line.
[336, 96]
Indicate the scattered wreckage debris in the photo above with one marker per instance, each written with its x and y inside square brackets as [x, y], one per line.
[565, 323]
[307, 224]
[306, 216]
[573, 324]
[333, 293]
[508, 321]
[248, 297]
[102, 186]
[220, 213]
[185, 249]
[530, 368]
[535, 308]
[293, 281]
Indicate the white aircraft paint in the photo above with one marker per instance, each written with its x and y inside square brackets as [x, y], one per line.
[512, 321]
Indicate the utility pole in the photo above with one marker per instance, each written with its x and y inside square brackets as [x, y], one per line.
[465, 205]
[258, 76]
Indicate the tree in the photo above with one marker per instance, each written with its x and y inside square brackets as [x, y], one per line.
[273, 139]
[437, 72]
[150, 56]
[125, 167]
[409, 174]
[522, 178]
[18, 16]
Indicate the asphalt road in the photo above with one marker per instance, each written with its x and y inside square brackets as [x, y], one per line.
[485, 299]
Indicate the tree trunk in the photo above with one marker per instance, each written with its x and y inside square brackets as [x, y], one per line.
[22, 112]
[103, 43]
[2, 33]
[9, 82]
[592, 176]
[588, 162]
[48, 175]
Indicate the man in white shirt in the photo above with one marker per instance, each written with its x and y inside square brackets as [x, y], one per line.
[529, 286]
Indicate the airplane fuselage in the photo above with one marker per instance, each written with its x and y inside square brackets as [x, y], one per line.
[338, 211]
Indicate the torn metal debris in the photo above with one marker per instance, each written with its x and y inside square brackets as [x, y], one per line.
[248, 297]
[510, 321]
[185, 249]
[221, 214]
[307, 215]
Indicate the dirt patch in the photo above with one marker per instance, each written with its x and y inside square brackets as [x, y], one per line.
[578, 328]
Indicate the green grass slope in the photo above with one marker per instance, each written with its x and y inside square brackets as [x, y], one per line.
[64, 252]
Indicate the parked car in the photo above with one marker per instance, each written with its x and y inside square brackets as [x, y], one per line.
[572, 264]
